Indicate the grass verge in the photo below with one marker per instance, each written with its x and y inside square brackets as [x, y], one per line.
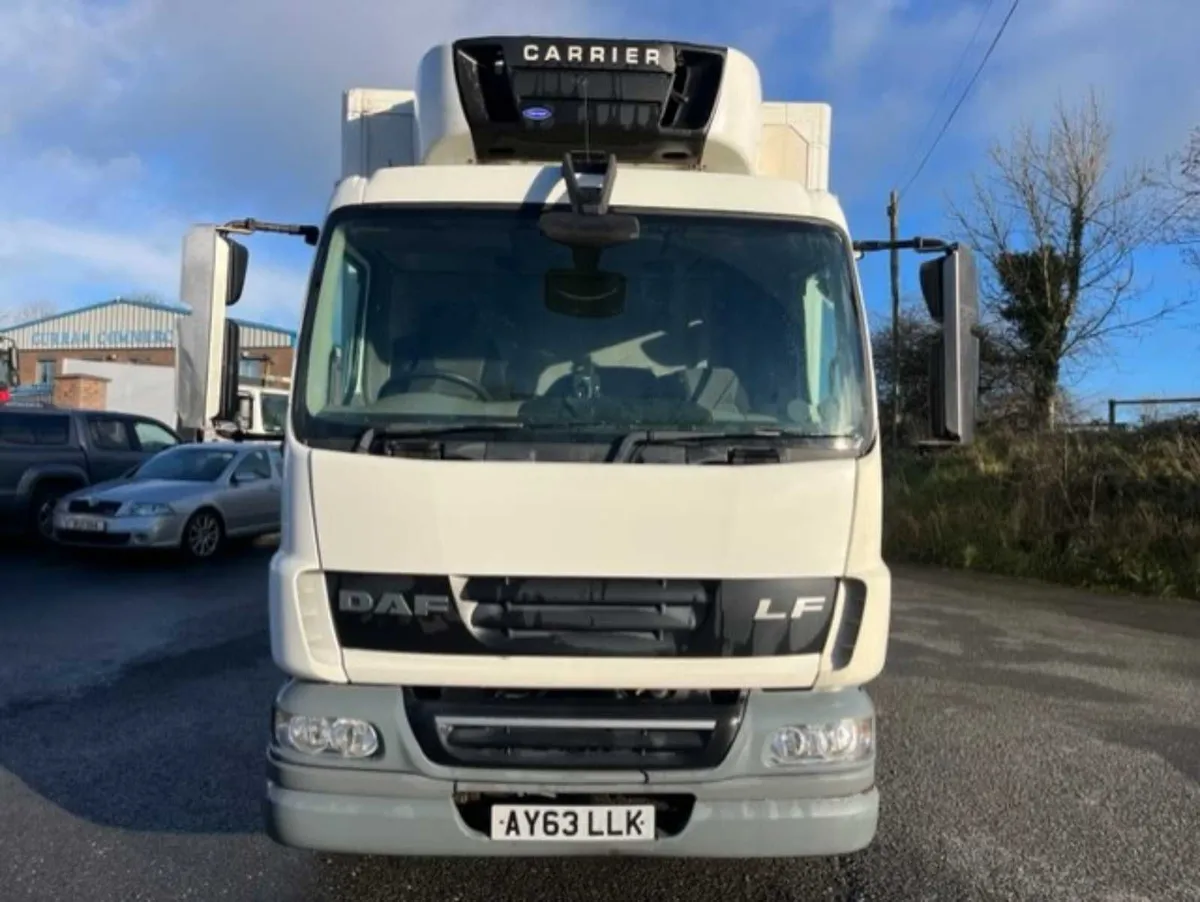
[1100, 509]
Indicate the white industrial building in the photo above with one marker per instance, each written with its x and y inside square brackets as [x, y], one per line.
[129, 345]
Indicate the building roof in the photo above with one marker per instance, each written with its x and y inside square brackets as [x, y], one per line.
[148, 305]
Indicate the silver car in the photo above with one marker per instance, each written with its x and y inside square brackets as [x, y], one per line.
[192, 497]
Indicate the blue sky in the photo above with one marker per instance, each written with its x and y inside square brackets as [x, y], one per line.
[122, 121]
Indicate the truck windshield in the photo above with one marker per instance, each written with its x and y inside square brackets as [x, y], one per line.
[439, 317]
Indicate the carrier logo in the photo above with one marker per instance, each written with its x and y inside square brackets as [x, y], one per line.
[395, 604]
[593, 54]
[767, 609]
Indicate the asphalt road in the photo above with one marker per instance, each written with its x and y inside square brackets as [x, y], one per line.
[1035, 744]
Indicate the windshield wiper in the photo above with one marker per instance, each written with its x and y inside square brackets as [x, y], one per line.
[757, 437]
[399, 431]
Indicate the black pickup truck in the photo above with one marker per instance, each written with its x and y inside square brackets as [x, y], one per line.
[46, 452]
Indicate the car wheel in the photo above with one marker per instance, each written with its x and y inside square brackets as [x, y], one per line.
[203, 535]
[41, 513]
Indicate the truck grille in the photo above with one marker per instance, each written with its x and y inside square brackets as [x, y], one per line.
[581, 616]
[635, 617]
[562, 729]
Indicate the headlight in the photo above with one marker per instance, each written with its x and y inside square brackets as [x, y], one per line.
[843, 741]
[142, 509]
[345, 737]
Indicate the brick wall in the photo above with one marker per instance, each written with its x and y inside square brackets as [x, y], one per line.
[81, 391]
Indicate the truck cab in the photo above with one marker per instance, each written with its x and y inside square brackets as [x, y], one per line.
[581, 549]
[262, 410]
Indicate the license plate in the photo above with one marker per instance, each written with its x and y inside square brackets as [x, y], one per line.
[573, 823]
[85, 524]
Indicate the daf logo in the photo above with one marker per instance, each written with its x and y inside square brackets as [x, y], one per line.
[395, 604]
[592, 54]
[767, 609]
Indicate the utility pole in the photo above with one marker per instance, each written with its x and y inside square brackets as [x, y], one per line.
[893, 212]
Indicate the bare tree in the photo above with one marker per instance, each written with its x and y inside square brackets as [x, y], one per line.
[15, 316]
[1059, 231]
[1181, 200]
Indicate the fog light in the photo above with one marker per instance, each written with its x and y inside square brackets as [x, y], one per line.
[849, 739]
[345, 737]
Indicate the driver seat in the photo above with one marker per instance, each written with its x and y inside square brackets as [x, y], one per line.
[446, 346]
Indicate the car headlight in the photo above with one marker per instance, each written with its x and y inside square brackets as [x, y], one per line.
[842, 741]
[144, 509]
[344, 737]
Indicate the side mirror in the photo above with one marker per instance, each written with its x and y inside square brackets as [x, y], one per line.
[227, 406]
[950, 285]
[208, 352]
[8, 367]
[245, 412]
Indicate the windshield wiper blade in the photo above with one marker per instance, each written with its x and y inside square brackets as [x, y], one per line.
[631, 441]
[399, 431]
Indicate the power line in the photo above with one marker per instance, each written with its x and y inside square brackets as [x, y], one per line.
[962, 58]
[962, 98]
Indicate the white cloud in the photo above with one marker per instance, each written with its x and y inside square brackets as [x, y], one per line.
[251, 88]
[856, 30]
[1141, 59]
[56, 53]
[238, 102]
[105, 253]
[134, 261]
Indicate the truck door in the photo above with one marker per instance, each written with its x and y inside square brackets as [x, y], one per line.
[111, 448]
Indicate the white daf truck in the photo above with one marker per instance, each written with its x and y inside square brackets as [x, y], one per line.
[582, 509]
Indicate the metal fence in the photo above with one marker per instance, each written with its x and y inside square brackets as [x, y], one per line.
[1149, 406]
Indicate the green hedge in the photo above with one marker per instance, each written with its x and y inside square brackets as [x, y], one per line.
[1101, 509]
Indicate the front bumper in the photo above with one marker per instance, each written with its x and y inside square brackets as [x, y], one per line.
[403, 804]
[122, 532]
[411, 824]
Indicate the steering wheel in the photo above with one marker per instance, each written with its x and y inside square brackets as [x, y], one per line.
[458, 379]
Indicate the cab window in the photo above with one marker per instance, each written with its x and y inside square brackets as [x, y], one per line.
[152, 437]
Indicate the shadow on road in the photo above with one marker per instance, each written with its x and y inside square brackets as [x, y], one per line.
[24, 558]
[172, 746]
[135, 689]
[846, 879]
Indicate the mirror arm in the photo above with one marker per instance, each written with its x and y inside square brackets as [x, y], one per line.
[310, 233]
